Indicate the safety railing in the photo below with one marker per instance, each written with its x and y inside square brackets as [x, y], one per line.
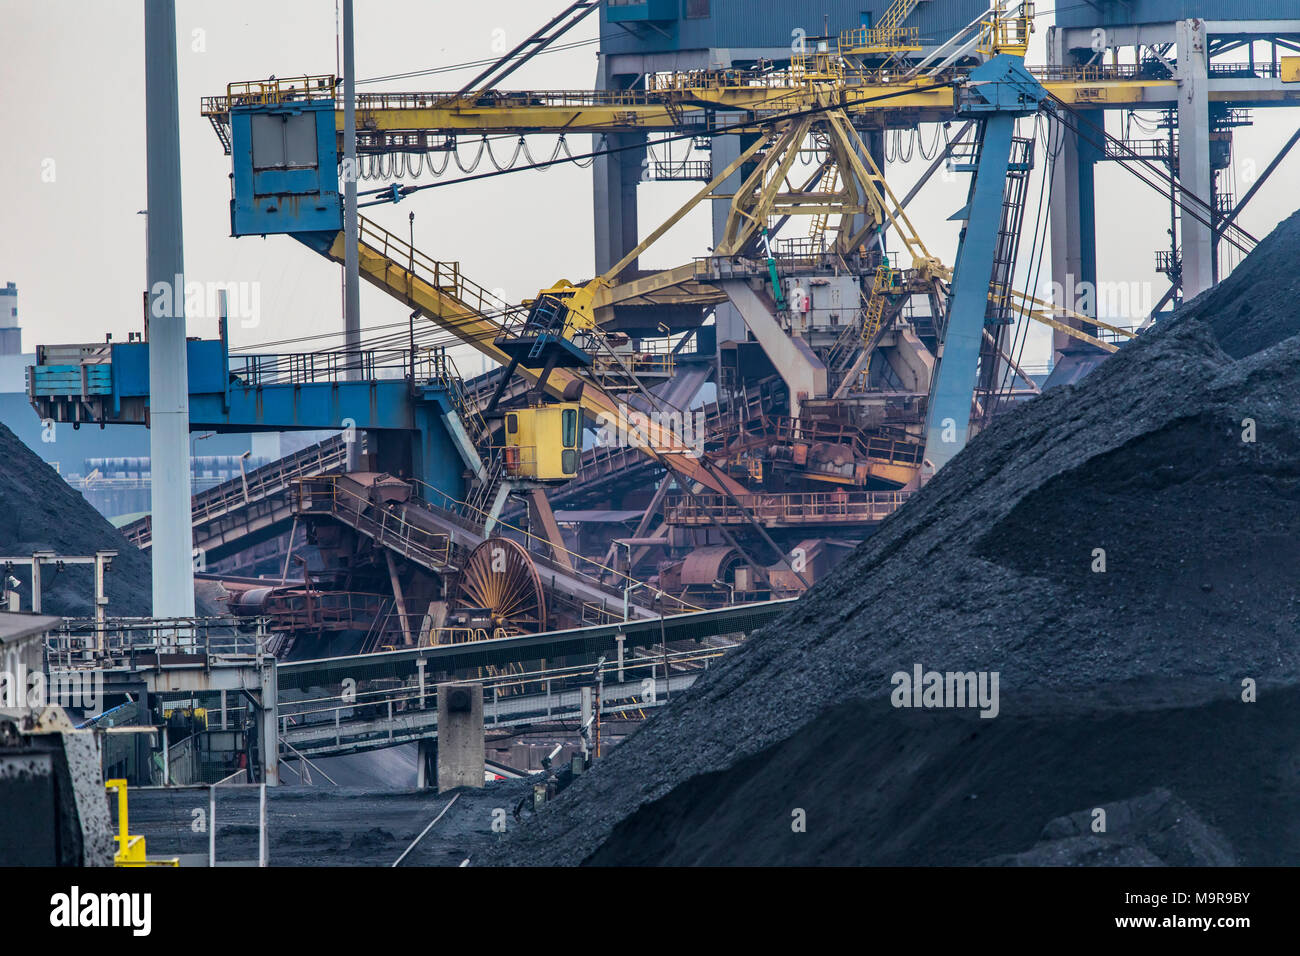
[311, 610]
[1158, 149]
[686, 170]
[367, 102]
[324, 494]
[794, 508]
[300, 368]
[892, 451]
[1245, 70]
[1006, 28]
[767, 429]
[446, 277]
[638, 363]
[435, 365]
[386, 699]
[464, 635]
[132, 642]
[716, 81]
[817, 65]
[269, 92]
[1149, 70]
[801, 250]
[519, 460]
[878, 40]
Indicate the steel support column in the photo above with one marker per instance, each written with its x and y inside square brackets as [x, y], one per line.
[351, 260]
[615, 178]
[997, 93]
[726, 150]
[1194, 171]
[1072, 211]
[950, 402]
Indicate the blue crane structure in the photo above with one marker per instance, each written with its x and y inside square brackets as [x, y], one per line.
[285, 181]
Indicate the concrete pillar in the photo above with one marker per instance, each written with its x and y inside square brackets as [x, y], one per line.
[351, 261]
[460, 735]
[169, 392]
[1194, 171]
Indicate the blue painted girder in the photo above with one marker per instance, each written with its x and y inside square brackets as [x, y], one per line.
[998, 92]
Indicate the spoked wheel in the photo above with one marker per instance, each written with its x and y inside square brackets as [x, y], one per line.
[500, 578]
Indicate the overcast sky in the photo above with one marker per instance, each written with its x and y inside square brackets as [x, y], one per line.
[73, 164]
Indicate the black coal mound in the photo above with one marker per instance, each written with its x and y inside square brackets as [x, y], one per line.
[39, 511]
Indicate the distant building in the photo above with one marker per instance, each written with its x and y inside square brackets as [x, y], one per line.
[11, 336]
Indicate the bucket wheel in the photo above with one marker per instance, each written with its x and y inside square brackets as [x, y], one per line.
[500, 579]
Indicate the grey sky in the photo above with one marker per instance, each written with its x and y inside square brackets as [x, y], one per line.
[72, 76]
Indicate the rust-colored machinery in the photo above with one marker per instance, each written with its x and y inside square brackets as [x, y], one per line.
[499, 585]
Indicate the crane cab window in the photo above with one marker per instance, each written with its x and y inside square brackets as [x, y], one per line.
[569, 430]
[284, 141]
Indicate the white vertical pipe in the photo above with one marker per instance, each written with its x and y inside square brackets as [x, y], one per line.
[261, 825]
[212, 826]
[169, 401]
[351, 276]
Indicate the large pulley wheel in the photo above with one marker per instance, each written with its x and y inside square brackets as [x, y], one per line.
[500, 579]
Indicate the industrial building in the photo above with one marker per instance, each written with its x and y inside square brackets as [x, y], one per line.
[658, 461]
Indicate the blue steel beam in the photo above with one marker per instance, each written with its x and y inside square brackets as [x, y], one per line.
[228, 401]
[997, 93]
[232, 400]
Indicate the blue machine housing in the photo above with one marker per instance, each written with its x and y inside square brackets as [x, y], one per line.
[285, 168]
[257, 393]
[630, 11]
[1003, 86]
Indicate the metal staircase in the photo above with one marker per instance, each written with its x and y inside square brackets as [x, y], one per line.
[1002, 314]
[873, 315]
[886, 37]
[267, 485]
[829, 185]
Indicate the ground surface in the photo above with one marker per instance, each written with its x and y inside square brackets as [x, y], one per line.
[327, 826]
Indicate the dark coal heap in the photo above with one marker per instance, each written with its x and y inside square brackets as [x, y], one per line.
[39, 511]
[1120, 691]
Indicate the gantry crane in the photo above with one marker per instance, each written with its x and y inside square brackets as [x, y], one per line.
[283, 139]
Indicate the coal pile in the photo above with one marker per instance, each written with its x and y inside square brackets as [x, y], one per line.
[39, 511]
[1122, 552]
